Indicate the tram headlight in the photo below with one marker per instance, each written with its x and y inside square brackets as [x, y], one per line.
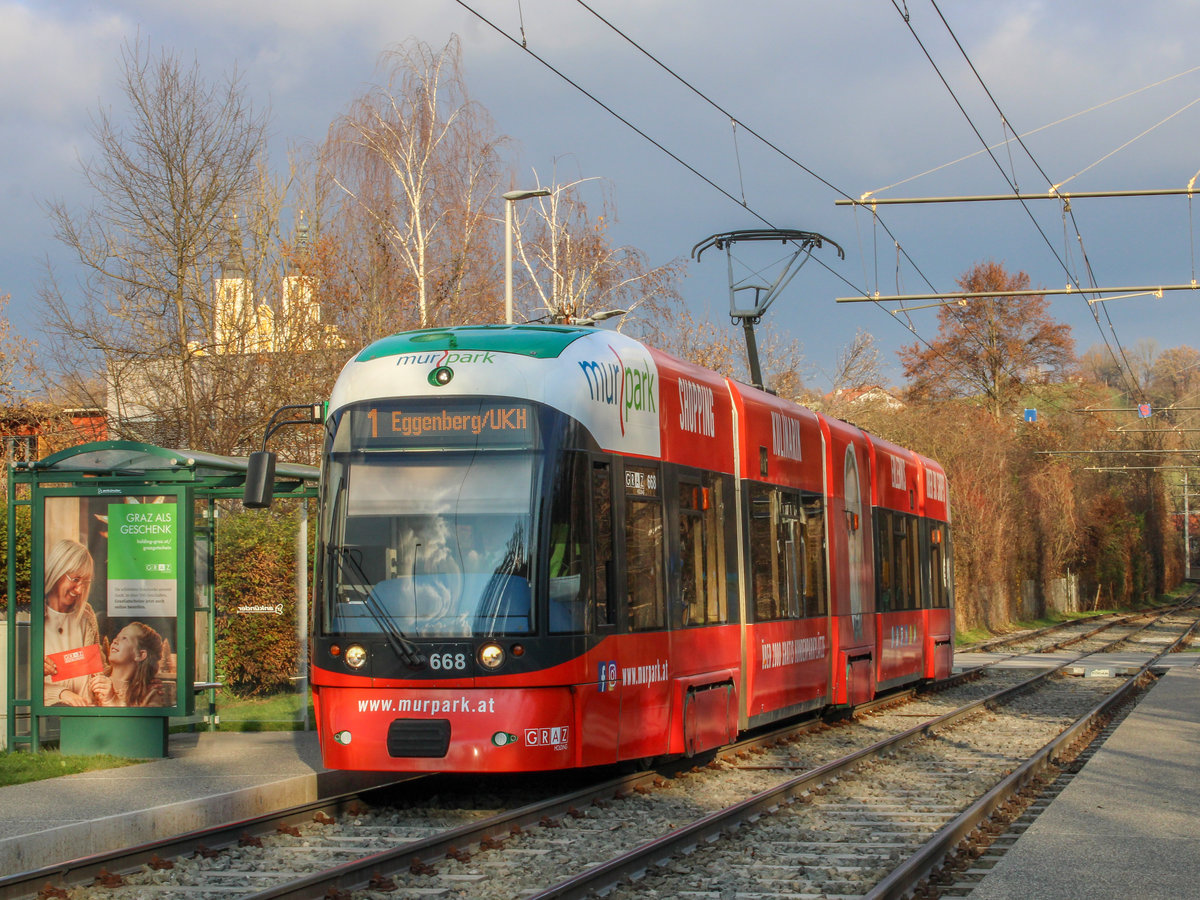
[491, 656]
[441, 376]
[356, 656]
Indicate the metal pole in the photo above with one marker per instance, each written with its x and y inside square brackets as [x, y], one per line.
[302, 605]
[1155, 289]
[1187, 536]
[509, 199]
[1052, 194]
[508, 310]
[756, 377]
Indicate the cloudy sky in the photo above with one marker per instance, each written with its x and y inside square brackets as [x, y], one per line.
[845, 91]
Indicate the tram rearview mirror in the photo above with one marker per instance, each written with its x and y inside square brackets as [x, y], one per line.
[260, 480]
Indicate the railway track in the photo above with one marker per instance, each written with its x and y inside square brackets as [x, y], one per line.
[1059, 636]
[835, 810]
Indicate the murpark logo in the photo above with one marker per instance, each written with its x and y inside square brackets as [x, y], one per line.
[631, 389]
[446, 358]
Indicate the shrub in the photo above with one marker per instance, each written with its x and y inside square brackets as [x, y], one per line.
[257, 653]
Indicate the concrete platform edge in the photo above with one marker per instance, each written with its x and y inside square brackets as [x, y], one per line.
[1124, 827]
[68, 842]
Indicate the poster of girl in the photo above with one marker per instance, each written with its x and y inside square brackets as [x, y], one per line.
[131, 677]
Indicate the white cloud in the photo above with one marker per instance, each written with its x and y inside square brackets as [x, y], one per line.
[53, 67]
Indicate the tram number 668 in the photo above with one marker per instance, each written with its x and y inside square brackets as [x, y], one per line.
[447, 661]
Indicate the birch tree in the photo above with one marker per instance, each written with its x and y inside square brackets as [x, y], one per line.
[575, 272]
[419, 164]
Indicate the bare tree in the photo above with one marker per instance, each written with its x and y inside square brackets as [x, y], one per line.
[169, 174]
[722, 349]
[419, 162]
[857, 364]
[361, 280]
[705, 344]
[1099, 364]
[576, 273]
[15, 358]
[1176, 376]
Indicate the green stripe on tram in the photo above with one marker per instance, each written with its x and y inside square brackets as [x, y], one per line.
[540, 341]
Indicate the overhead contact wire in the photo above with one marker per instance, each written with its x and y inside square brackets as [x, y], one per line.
[764, 140]
[685, 164]
[1133, 382]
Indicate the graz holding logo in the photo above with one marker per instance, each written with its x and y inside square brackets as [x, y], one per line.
[556, 738]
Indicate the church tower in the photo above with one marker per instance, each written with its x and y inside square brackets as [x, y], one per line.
[301, 312]
[233, 298]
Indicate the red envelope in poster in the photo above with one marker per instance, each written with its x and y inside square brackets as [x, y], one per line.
[73, 663]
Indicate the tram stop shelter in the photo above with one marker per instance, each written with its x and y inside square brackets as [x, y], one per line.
[120, 630]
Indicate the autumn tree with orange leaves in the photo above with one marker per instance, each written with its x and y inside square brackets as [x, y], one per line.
[995, 348]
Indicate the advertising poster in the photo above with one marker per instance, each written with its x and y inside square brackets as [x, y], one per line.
[111, 600]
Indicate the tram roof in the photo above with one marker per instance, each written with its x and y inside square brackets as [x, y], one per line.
[541, 341]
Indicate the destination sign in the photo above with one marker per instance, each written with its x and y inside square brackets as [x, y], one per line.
[464, 424]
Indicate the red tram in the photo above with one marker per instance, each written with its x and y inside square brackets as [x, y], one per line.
[544, 547]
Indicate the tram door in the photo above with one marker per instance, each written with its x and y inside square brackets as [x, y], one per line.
[854, 540]
[644, 656]
[600, 705]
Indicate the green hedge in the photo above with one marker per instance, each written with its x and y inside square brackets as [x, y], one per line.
[24, 554]
[256, 653]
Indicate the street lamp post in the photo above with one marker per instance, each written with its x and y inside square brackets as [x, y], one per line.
[509, 199]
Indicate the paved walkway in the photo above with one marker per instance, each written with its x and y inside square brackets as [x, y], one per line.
[1126, 827]
[208, 778]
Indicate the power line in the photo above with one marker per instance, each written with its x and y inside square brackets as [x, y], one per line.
[726, 113]
[1039, 129]
[748, 129]
[975, 129]
[1131, 381]
[911, 328]
[641, 133]
[524, 46]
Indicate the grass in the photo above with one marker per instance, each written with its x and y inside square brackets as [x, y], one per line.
[277, 712]
[982, 633]
[19, 767]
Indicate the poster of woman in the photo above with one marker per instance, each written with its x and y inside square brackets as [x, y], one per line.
[71, 648]
[110, 599]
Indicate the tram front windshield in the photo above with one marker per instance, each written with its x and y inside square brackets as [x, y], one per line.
[427, 517]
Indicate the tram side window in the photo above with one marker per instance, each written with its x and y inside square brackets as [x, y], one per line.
[906, 556]
[702, 551]
[885, 570]
[569, 543]
[602, 513]
[644, 549]
[776, 543]
[815, 602]
[939, 566]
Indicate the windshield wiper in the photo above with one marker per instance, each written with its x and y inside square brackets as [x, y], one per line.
[408, 652]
